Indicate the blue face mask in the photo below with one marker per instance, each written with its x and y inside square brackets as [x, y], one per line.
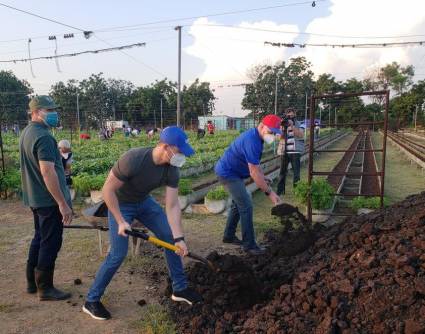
[51, 118]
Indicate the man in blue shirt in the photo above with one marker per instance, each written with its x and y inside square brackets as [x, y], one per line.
[240, 161]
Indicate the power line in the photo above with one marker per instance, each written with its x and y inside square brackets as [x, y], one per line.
[347, 46]
[133, 58]
[42, 17]
[119, 48]
[77, 44]
[87, 34]
[305, 33]
[215, 14]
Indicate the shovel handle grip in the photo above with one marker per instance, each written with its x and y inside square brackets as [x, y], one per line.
[164, 244]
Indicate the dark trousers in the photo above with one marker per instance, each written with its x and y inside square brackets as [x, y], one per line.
[47, 240]
[295, 161]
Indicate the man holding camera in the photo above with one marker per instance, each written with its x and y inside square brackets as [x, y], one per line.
[293, 140]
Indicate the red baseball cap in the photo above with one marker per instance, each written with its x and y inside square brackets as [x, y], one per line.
[273, 123]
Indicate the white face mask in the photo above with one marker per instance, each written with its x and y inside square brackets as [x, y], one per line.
[177, 160]
[269, 138]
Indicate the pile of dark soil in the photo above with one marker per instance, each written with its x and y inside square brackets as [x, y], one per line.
[366, 275]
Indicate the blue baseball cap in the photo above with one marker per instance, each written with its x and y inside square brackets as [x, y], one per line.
[173, 135]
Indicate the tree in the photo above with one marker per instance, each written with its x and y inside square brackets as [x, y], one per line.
[391, 76]
[293, 81]
[65, 95]
[198, 99]
[14, 97]
[326, 84]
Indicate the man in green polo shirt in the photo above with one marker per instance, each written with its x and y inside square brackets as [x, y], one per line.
[44, 190]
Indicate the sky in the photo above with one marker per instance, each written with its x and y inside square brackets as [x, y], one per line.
[215, 48]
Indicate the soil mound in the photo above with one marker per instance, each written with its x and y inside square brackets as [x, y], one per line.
[366, 275]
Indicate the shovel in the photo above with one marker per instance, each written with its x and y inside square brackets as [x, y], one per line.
[153, 240]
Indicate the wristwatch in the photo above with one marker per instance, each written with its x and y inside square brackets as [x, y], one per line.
[268, 191]
[178, 239]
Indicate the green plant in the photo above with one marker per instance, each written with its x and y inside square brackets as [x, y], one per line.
[185, 187]
[155, 320]
[321, 193]
[10, 181]
[84, 183]
[217, 194]
[368, 202]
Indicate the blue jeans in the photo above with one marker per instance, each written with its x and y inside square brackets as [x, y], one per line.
[241, 209]
[150, 213]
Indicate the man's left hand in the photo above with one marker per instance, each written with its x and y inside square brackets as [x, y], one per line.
[182, 251]
[290, 122]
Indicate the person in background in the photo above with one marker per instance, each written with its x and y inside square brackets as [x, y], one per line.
[65, 151]
[151, 132]
[316, 130]
[84, 136]
[293, 137]
[44, 190]
[200, 133]
[240, 161]
[210, 127]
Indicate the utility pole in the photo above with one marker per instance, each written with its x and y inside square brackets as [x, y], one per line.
[305, 116]
[179, 29]
[416, 116]
[329, 115]
[78, 119]
[162, 124]
[320, 114]
[154, 117]
[275, 97]
[336, 118]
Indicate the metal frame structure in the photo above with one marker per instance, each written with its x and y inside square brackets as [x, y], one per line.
[383, 150]
[3, 168]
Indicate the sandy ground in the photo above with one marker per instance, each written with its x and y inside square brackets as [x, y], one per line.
[79, 258]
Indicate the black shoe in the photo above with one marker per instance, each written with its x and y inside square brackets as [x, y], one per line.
[255, 251]
[96, 310]
[234, 241]
[31, 287]
[187, 295]
[45, 288]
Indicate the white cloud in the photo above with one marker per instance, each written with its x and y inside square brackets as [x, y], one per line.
[227, 54]
[365, 18]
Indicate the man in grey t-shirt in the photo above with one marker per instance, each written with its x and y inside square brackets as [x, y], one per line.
[126, 193]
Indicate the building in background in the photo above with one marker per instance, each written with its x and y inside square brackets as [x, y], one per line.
[223, 122]
[116, 124]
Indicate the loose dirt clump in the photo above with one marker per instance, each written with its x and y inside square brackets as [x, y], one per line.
[366, 275]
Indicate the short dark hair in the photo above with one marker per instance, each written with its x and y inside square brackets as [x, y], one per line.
[290, 109]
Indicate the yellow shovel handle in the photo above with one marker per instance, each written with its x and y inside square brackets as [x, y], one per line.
[162, 244]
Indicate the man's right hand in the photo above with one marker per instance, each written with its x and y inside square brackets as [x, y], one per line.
[122, 227]
[66, 213]
[275, 198]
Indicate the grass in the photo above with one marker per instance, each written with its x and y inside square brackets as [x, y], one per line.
[155, 320]
[402, 178]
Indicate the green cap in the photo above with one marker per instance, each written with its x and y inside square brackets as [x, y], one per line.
[42, 102]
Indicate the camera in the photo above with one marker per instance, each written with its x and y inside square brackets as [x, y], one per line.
[285, 121]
